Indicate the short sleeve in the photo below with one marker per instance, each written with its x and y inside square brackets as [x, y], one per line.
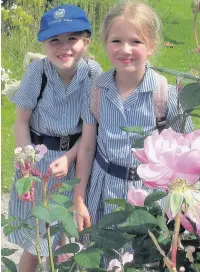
[172, 111]
[26, 96]
[86, 113]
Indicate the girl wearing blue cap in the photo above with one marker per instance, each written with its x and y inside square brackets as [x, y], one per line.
[49, 103]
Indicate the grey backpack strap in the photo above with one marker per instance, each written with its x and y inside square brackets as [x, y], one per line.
[95, 100]
[160, 99]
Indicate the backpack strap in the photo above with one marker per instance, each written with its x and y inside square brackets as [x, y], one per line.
[160, 99]
[43, 85]
[95, 100]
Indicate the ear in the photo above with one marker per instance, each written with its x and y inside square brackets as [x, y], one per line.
[87, 43]
[152, 48]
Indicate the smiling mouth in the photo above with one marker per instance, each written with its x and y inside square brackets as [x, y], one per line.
[126, 60]
[64, 57]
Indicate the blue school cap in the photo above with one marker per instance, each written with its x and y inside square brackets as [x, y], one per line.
[62, 19]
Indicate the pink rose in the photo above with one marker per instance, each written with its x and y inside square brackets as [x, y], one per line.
[41, 150]
[194, 216]
[169, 156]
[136, 197]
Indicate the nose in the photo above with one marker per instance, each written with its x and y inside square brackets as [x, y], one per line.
[126, 48]
[64, 44]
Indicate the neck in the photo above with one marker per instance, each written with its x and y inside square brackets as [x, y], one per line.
[66, 75]
[128, 81]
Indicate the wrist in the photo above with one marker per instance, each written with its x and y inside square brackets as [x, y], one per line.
[70, 156]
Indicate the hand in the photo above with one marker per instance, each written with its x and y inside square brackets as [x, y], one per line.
[59, 168]
[82, 216]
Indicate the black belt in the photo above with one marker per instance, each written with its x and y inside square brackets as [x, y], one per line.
[122, 172]
[54, 143]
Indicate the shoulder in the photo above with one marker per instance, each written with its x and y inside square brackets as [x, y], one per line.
[94, 66]
[105, 79]
[35, 66]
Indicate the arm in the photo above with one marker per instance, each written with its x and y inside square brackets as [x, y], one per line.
[21, 127]
[172, 112]
[85, 159]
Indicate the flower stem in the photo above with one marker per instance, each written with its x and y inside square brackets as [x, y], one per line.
[37, 246]
[45, 202]
[50, 247]
[175, 238]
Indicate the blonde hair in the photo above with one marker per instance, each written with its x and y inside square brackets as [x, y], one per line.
[140, 14]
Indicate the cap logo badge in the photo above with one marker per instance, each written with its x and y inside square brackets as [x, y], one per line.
[60, 13]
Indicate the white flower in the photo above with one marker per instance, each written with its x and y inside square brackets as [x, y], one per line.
[17, 150]
[14, 6]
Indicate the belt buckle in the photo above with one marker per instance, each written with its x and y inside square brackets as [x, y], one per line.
[132, 173]
[64, 142]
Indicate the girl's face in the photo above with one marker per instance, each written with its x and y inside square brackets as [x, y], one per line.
[65, 50]
[126, 49]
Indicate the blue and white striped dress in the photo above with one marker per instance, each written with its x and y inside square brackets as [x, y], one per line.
[115, 144]
[56, 114]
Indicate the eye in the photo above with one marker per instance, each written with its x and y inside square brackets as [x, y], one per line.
[137, 41]
[73, 38]
[115, 41]
[54, 40]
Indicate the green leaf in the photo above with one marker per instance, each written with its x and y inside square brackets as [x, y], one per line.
[190, 96]
[53, 231]
[41, 212]
[155, 196]
[174, 120]
[57, 213]
[108, 238]
[89, 258]
[7, 251]
[9, 264]
[68, 248]
[145, 251]
[23, 185]
[68, 185]
[139, 222]
[72, 182]
[176, 201]
[162, 224]
[69, 224]
[117, 201]
[139, 143]
[9, 229]
[31, 178]
[4, 221]
[87, 230]
[194, 115]
[175, 73]
[113, 218]
[61, 199]
[138, 130]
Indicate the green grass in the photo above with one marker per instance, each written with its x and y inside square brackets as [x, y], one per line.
[177, 20]
[7, 143]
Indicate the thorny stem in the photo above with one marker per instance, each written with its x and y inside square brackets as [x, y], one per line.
[45, 201]
[37, 245]
[175, 238]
